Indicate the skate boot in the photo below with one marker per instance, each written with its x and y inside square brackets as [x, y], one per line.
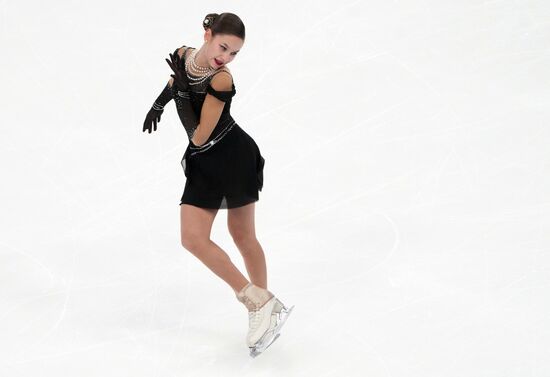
[266, 316]
[279, 316]
[260, 303]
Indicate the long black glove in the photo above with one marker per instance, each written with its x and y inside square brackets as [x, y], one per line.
[181, 90]
[153, 116]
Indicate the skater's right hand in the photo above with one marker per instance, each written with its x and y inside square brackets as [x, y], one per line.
[177, 65]
[151, 120]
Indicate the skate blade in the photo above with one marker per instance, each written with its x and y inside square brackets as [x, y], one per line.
[265, 341]
[255, 351]
[275, 333]
[283, 316]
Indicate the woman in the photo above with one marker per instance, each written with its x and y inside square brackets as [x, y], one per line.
[223, 168]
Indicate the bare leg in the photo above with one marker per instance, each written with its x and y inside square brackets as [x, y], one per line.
[196, 224]
[240, 222]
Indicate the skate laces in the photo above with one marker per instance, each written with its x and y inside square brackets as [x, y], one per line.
[254, 319]
[254, 315]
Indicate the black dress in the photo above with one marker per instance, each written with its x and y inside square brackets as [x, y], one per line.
[227, 170]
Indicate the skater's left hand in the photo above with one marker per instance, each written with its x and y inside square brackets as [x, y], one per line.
[178, 66]
[151, 120]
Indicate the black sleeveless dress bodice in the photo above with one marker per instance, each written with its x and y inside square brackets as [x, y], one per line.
[197, 93]
[227, 170]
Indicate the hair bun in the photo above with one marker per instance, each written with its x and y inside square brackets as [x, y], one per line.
[209, 20]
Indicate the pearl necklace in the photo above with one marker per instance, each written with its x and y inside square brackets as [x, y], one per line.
[197, 67]
[199, 73]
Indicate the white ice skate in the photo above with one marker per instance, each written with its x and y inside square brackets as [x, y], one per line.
[266, 315]
[279, 316]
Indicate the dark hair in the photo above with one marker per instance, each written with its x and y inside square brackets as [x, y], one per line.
[225, 23]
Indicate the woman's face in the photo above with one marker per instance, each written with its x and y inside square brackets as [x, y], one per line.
[222, 49]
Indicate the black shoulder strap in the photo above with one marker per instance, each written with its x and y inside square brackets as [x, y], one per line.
[222, 95]
[223, 70]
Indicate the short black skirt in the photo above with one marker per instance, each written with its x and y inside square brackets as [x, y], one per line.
[227, 174]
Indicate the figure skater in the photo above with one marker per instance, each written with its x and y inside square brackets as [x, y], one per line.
[224, 170]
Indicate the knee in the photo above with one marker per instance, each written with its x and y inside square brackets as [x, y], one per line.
[244, 241]
[192, 241]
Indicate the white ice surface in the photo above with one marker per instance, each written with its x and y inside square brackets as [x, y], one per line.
[405, 209]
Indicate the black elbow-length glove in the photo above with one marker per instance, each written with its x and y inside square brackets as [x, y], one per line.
[153, 116]
[180, 89]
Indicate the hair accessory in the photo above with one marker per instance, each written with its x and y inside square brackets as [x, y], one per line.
[208, 21]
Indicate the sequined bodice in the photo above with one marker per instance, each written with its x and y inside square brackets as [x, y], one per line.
[199, 87]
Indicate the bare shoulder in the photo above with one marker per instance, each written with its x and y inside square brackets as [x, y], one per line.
[222, 80]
